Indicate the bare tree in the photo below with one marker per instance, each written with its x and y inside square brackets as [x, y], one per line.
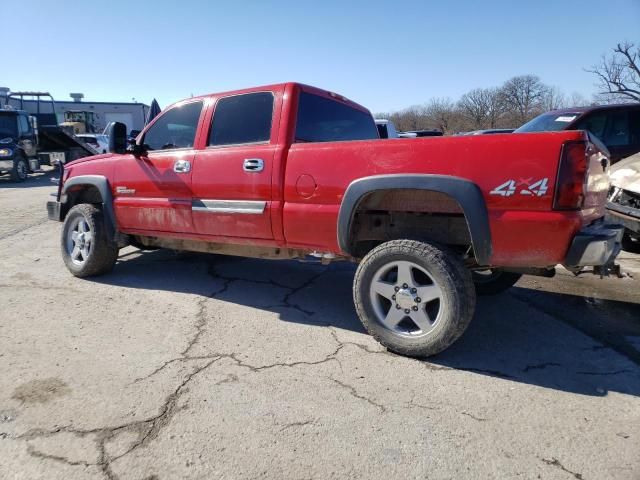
[553, 99]
[481, 108]
[576, 99]
[619, 74]
[442, 114]
[524, 97]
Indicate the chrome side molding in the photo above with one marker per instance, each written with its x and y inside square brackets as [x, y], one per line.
[251, 207]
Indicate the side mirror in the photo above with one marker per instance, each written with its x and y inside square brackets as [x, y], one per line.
[117, 133]
[136, 149]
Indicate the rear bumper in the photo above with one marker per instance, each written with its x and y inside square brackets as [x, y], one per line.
[54, 211]
[595, 245]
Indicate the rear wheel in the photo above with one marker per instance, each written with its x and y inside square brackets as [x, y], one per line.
[20, 170]
[86, 248]
[415, 298]
[494, 281]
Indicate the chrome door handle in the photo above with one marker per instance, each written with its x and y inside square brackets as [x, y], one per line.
[182, 166]
[253, 165]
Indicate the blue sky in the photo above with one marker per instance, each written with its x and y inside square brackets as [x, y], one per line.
[386, 55]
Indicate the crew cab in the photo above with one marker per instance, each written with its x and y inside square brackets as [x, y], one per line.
[290, 171]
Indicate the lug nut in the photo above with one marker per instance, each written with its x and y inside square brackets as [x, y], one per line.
[418, 299]
[397, 306]
[415, 309]
[407, 311]
[414, 290]
[396, 288]
[393, 297]
[404, 285]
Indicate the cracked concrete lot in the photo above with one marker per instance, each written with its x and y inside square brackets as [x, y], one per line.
[181, 365]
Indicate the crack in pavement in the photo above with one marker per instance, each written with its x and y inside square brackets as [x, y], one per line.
[479, 419]
[286, 300]
[615, 372]
[540, 366]
[354, 393]
[555, 463]
[57, 458]
[147, 429]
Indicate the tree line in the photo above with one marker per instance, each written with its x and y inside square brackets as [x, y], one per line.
[522, 98]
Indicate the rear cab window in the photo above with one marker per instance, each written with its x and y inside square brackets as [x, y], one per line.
[322, 119]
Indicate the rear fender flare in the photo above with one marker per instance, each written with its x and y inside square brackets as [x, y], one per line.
[465, 192]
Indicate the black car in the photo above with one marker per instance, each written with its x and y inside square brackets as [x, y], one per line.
[617, 126]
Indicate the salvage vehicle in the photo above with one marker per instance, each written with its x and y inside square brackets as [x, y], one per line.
[291, 171]
[42, 140]
[617, 126]
[18, 142]
[624, 200]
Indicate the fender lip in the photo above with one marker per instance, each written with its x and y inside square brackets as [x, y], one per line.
[464, 191]
[102, 184]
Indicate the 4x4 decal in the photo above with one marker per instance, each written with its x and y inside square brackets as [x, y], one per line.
[510, 187]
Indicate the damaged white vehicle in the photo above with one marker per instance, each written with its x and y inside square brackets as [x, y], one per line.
[624, 200]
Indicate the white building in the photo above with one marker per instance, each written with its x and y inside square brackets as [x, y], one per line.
[132, 114]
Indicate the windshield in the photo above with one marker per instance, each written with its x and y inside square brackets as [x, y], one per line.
[8, 126]
[549, 122]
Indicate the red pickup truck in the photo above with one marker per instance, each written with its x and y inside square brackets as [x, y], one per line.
[291, 171]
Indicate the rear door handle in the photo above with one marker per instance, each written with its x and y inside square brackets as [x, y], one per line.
[253, 165]
[182, 166]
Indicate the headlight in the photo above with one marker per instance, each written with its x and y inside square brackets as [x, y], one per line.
[6, 152]
[6, 140]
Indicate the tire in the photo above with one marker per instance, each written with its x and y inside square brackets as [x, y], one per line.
[394, 275]
[86, 248]
[630, 244]
[494, 281]
[20, 170]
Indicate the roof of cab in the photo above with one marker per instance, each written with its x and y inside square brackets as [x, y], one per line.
[275, 86]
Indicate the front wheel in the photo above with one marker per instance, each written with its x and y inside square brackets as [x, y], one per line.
[20, 170]
[86, 248]
[415, 298]
[494, 281]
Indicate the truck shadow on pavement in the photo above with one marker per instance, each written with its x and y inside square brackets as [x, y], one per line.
[563, 342]
[39, 179]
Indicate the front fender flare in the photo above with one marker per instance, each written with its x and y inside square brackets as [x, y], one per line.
[102, 184]
[465, 192]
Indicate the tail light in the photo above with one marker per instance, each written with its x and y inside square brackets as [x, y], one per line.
[572, 174]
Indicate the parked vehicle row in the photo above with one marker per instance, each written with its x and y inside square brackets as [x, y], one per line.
[291, 171]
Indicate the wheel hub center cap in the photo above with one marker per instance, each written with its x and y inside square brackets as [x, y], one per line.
[405, 298]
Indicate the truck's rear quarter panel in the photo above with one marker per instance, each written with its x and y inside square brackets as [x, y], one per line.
[524, 228]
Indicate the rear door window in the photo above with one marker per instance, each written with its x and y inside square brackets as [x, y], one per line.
[242, 119]
[321, 119]
[634, 127]
[175, 128]
[594, 123]
[617, 133]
